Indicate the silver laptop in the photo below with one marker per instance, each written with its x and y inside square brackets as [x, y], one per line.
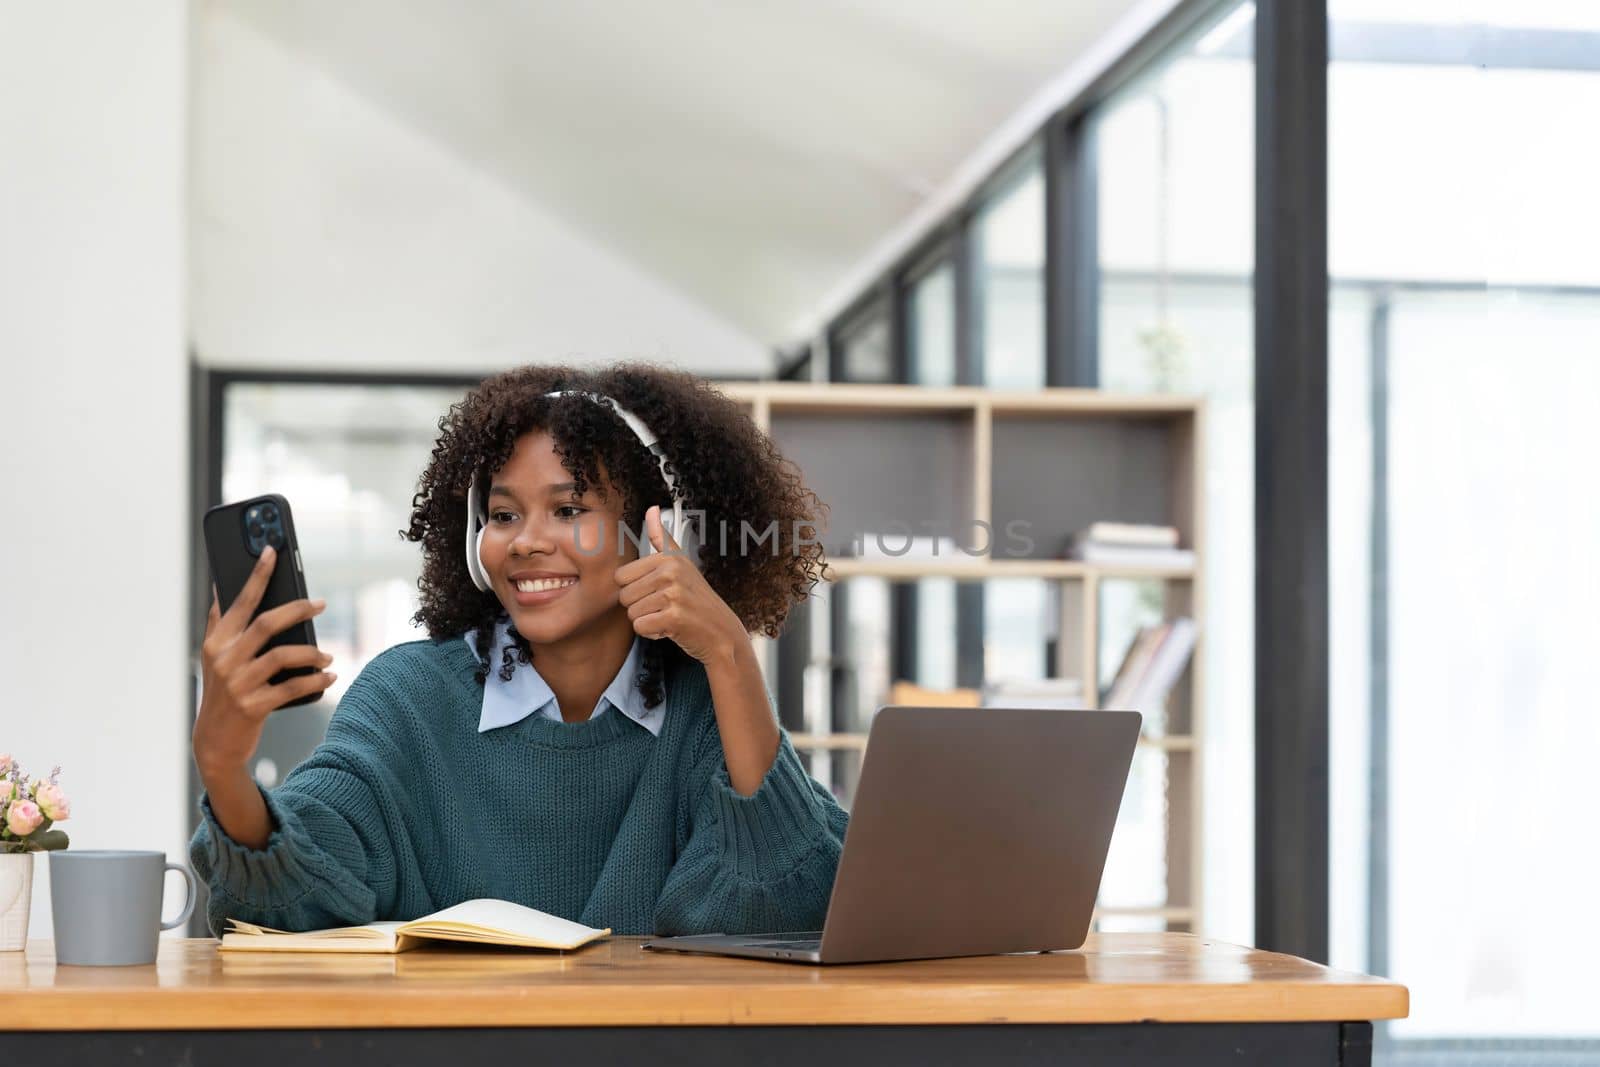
[974, 831]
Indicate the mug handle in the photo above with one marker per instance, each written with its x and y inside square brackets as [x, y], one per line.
[188, 900]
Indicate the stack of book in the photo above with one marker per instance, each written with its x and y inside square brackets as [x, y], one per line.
[1154, 661]
[894, 545]
[1123, 544]
[909, 694]
[1064, 693]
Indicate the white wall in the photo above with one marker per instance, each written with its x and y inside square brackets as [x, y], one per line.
[327, 233]
[94, 538]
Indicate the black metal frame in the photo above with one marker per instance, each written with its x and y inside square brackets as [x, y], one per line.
[205, 490]
[1378, 646]
[971, 613]
[904, 629]
[1072, 254]
[1291, 452]
[1313, 1044]
[963, 255]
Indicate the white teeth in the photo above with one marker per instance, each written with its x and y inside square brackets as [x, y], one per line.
[539, 585]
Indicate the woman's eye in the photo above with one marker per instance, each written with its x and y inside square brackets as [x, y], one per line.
[570, 507]
[500, 516]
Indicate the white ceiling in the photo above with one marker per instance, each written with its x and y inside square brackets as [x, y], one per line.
[750, 153]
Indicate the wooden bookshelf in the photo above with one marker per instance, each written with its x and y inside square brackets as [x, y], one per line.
[1058, 459]
[1167, 743]
[998, 568]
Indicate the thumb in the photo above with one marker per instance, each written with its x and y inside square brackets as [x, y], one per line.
[652, 526]
[659, 538]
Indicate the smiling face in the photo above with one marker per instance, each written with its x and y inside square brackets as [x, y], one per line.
[550, 554]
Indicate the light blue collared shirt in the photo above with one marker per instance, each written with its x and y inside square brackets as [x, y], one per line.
[527, 693]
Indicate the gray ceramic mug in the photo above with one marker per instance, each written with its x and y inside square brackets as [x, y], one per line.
[106, 905]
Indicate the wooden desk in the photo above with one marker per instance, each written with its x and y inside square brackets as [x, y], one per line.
[1124, 998]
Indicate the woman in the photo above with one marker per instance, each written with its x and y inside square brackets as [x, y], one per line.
[586, 731]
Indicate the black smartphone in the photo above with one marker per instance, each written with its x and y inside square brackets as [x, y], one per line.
[235, 535]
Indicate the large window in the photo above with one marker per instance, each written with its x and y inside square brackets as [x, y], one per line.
[861, 347]
[931, 325]
[1176, 222]
[1463, 359]
[1008, 243]
[1464, 365]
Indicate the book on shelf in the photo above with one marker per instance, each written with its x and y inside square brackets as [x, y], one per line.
[910, 694]
[1129, 534]
[1120, 544]
[1117, 556]
[891, 545]
[1155, 659]
[1065, 693]
[483, 922]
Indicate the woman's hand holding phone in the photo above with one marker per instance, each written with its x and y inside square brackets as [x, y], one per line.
[237, 697]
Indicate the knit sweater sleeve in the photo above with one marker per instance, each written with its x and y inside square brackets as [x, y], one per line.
[328, 861]
[758, 863]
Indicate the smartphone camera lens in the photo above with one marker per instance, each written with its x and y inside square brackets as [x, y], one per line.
[269, 513]
[275, 538]
[255, 528]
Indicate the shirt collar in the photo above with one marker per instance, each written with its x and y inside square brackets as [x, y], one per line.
[505, 702]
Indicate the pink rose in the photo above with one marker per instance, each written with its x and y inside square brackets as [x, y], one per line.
[8, 790]
[23, 818]
[52, 801]
[6, 763]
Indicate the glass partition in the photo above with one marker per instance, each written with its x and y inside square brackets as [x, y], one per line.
[1176, 223]
[1008, 243]
[347, 457]
[1464, 358]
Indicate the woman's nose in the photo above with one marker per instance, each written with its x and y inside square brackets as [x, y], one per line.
[533, 537]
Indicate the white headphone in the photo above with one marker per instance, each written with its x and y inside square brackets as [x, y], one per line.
[684, 533]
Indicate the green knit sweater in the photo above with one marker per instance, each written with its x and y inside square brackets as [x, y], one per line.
[405, 808]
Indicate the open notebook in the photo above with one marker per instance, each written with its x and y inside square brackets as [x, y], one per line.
[485, 922]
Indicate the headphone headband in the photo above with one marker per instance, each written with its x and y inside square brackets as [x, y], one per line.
[634, 423]
[673, 523]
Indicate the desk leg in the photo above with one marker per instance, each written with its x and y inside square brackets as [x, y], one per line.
[1355, 1045]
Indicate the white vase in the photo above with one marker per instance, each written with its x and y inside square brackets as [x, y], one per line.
[16, 896]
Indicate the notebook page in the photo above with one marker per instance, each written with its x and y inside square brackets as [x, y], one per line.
[373, 937]
[380, 931]
[504, 917]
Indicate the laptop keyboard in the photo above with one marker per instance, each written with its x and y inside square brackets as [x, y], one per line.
[810, 942]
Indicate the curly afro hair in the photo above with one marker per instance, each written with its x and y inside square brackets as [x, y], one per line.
[724, 465]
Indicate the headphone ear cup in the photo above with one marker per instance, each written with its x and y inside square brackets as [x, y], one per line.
[474, 545]
[480, 576]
